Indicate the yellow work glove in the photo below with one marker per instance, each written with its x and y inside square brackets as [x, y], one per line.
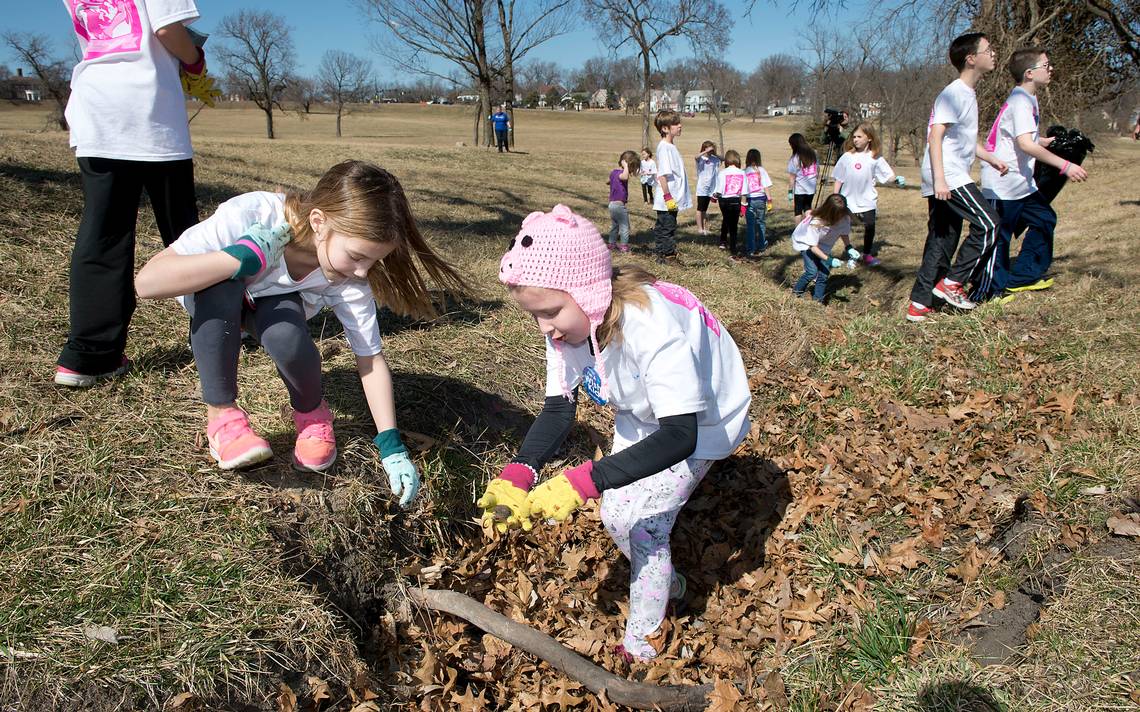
[558, 497]
[507, 490]
[196, 83]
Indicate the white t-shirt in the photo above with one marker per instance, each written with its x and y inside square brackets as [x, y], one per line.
[813, 232]
[1018, 115]
[670, 165]
[758, 181]
[648, 171]
[805, 177]
[351, 300]
[707, 168]
[859, 172]
[673, 358]
[956, 106]
[731, 183]
[126, 96]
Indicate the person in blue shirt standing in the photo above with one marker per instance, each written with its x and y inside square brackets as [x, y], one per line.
[502, 123]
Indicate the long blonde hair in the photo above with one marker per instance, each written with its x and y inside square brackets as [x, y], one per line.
[362, 200]
[627, 289]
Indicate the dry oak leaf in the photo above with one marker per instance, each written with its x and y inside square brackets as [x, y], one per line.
[181, 699]
[365, 707]
[904, 555]
[1124, 524]
[971, 564]
[776, 693]
[469, 702]
[725, 697]
[286, 699]
[425, 673]
[318, 687]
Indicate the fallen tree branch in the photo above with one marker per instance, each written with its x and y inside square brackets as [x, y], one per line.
[637, 695]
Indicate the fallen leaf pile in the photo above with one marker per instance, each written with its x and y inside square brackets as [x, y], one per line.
[899, 488]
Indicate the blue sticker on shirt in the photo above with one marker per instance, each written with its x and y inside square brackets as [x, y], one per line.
[593, 383]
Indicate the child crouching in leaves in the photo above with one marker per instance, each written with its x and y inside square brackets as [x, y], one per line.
[670, 369]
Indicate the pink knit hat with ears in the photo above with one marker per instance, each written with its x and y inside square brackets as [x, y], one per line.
[562, 250]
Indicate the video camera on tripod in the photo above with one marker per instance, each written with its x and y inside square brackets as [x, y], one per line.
[833, 123]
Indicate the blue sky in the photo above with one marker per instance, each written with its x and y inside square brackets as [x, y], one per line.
[339, 24]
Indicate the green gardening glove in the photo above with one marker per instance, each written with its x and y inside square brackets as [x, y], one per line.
[260, 248]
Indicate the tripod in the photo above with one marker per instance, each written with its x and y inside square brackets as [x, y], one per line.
[825, 168]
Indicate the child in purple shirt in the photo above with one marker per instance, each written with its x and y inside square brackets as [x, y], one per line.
[619, 195]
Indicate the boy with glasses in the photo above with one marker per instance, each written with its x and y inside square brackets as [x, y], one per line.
[952, 196]
[1014, 138]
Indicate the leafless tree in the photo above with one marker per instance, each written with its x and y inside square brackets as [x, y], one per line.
[303, 92]
[35, 51]
[651, 26]
[783, 74]
[524, 25]
[536, 73]
[257, 49]
[726, 84]
[344, 78]
[454, 31]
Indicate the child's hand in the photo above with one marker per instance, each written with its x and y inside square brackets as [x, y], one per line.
[403, 477]
[558, 497]
[503, 493]
[852, 253]
[834, 262]
[743, 209]
[900, 181]
[670, 204]
[196, 84]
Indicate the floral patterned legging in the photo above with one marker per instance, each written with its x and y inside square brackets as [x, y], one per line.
[640, 518]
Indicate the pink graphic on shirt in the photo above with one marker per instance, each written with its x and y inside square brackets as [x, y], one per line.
[808, 171]
[733, 185]
[106, 26]
[754, 185]
[992, 139]
[683, 297]
[858, 166]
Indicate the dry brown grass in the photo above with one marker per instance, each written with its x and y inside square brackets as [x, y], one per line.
[223, 585]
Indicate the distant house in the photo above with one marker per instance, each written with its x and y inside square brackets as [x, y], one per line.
[665, 99]
[575, 100]
[549, 95]
[870, 109]
[467, 98]
[700, 101]
[600, 99]
[798, 105]
[21, 88]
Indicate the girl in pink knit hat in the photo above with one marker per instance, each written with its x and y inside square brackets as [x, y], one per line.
[668, 367]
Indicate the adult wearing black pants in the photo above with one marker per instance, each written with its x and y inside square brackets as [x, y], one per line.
[501, 120]
[129, 130]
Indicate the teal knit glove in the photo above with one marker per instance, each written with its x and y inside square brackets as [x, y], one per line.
[259, 248]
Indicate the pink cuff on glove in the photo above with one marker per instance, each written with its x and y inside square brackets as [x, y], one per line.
[519, 475]
[582, 481]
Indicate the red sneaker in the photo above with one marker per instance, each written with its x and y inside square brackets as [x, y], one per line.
[953, 294]
[914, 313]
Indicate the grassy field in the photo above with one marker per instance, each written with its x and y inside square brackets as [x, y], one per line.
[1001, 441]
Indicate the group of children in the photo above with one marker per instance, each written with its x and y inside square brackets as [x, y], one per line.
[265, 262]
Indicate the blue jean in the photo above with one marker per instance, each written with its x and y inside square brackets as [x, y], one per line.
[814, 268]
[756, 225]
[1034, 215]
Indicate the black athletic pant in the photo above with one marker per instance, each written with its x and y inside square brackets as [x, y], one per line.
[868, 220]
[501, 140]
[730, 221]
[665, 233]
[944, 229]
[102, 291]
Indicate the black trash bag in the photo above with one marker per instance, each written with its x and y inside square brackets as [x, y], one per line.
[1070, 144]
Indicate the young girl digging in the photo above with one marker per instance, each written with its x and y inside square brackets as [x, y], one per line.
[628, 165]
[855, 174]
[269, 261]
[814, 237]
[668, 367]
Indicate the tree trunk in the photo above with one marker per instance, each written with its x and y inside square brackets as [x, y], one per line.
[339, 111]
[478, 122]
[645, 96]
[269, 122]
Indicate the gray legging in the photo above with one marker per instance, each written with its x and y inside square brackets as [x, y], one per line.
[217, 315]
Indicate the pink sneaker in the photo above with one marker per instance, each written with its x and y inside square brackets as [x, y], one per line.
[623, 248]
[315, 449]
[232, 441]
[74, 379]
[871, 261]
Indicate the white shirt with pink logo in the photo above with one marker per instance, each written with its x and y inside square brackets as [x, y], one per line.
[731, 183]
[673, 358]
[758, 181]
[1018, 115]
[126, 96]
[806, 177]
